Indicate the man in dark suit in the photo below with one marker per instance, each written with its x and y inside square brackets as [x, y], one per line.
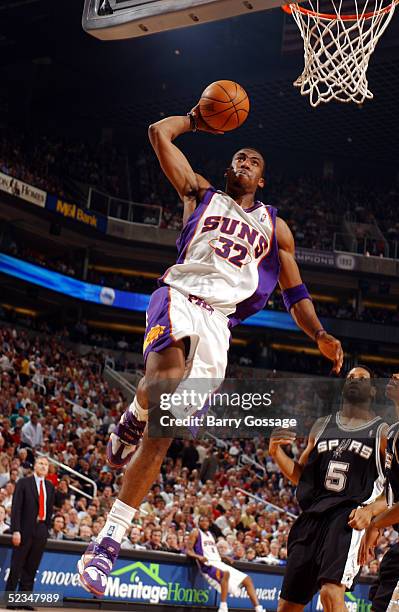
[32, 507]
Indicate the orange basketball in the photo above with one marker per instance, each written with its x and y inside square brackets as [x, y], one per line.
[224, 105]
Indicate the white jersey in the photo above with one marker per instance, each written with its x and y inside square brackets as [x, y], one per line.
[227, 256]
[206, 546]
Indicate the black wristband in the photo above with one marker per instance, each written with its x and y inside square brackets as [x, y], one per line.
[193, 121]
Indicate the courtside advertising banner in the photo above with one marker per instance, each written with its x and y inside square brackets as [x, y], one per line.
[161, 582]
[22, 190]
[77, 213]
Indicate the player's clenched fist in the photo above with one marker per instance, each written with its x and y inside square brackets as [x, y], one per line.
[280, 437]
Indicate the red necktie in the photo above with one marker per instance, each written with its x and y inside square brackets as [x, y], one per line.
[41, 502]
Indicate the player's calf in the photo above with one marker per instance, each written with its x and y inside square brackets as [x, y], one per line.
[164, 370]
[250, 588]
[96, 564]
[333, 597]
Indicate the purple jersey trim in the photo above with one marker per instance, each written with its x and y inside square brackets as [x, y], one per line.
[257, 204]
[268, 272]
[188, 231]
[207, 569]
[213, 572]
[198, 549]
[159, 322]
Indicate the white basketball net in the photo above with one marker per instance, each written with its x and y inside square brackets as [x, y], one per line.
[338, 49]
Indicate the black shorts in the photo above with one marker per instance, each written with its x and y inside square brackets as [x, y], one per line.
[381, 592]
[321, 548]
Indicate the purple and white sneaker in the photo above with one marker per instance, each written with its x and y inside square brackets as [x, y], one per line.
[124, 440]
[87, 555]
[94, 574]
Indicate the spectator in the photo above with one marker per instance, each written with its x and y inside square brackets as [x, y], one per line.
[3, 525]
[57, 532]
[134, 540]
[32, 433]
[155, 542]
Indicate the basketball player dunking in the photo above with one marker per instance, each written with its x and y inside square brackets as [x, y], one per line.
[384, 594]
[340, 488]
[232, 252]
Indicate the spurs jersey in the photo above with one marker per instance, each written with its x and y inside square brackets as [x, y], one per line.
[344, 467]
[206, 546]
[227, 256]
[392, 466]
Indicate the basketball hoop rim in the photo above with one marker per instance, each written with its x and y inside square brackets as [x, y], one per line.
[287, 8]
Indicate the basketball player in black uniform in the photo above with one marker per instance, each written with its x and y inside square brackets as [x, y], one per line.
[384, 594]
[340, 481]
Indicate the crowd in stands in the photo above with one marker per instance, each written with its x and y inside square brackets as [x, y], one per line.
[314, 208]
[47, 162]
[54, 401]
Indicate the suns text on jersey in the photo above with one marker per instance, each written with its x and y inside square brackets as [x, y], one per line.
[239, 229]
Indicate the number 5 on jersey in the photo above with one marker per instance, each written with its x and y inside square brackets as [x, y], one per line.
[336, 476]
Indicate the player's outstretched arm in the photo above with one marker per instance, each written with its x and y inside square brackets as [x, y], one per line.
[298, 300]
[189, 185]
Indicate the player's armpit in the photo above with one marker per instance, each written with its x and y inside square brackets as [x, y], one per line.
[190, 201]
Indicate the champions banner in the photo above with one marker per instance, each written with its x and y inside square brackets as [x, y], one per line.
[77, 213]
[113, 297]
[161, 582]
[22, 190]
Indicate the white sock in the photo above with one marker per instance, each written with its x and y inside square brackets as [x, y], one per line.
[119, 520]
[258, 608]
[138, 411]
[223, 607]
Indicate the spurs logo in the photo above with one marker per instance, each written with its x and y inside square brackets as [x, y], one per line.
[344, 444]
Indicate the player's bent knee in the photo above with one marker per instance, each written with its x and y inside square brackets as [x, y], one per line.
[331, 593]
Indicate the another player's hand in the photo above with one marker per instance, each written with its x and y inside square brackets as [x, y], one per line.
[367, 545]
[360, 518]
[280, 437]
[202, 559]
[331, 348]
[16, 538]
[201, 125]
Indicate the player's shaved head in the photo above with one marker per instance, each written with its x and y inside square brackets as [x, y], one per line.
[255, 153]
[360, 371]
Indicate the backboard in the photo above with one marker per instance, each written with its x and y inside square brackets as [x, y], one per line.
[118, 19]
